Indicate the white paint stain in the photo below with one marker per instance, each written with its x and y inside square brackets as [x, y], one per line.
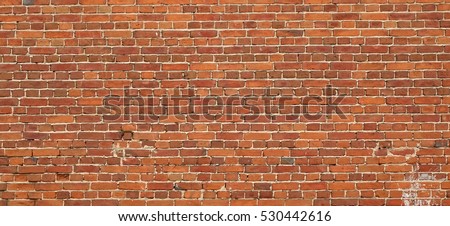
[410, 197]
[117, 151]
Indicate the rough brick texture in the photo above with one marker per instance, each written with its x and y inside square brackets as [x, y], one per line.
[60, 59]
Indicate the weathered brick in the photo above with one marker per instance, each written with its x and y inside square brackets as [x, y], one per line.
[224, 102]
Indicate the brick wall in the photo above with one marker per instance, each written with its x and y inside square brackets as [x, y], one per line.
[224, 102]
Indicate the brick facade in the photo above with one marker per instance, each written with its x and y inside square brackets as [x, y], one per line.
[224, 102]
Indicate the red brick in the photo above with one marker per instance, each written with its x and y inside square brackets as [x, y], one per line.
[66, 64]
